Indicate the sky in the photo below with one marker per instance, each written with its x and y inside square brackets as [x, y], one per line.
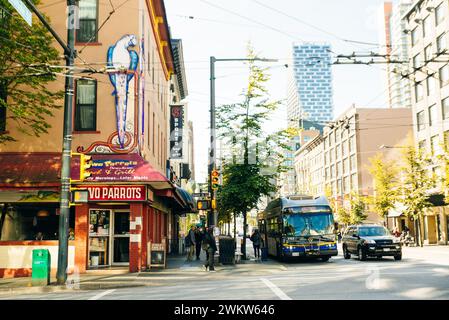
[223, 28]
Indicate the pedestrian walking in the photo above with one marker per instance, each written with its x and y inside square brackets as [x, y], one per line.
[209, 241]
[198, 241]
[190, 243]
[256, 239]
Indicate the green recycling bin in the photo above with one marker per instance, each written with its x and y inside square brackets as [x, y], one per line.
[40, 275]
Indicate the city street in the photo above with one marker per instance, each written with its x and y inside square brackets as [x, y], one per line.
[422, 274]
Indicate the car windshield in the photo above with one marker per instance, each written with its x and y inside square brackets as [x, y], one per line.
[308, 224]
[373, 231]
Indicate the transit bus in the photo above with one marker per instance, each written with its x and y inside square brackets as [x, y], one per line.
[298, 226]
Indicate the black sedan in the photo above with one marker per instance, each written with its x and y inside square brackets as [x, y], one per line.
[370, 241]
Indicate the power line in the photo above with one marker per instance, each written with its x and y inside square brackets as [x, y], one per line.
[252, 20]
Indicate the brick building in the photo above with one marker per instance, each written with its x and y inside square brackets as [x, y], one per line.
[130, 199]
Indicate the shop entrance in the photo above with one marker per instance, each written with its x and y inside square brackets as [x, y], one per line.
[120, 237]
[108, 237]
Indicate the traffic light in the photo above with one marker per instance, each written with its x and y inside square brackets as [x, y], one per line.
[86, 163]
[203, 204]
[214, 177]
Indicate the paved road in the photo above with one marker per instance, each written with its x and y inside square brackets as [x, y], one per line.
[422, 274]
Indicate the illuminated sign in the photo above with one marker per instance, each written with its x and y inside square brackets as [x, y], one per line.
[176, 126]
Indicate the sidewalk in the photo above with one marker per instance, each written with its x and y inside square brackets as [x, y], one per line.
[120, 277]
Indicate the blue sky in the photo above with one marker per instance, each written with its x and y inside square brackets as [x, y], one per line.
[217, 32]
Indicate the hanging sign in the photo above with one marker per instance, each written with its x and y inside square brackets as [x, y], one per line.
[176, 125]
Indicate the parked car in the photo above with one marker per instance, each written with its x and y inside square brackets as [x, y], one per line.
[370, 240]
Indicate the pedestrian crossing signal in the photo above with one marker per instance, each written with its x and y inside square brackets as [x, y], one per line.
[215, 179]
[203, 204]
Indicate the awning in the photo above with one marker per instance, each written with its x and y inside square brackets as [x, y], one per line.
[187, 197]
[397, 211]
[42, 170]
[30, 170]
[125, 168]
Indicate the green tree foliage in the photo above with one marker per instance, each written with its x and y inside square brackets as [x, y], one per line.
[384, 174]
[357, 212]
[255, 158]
[415, 185]
[444, 159]
[343, 216]
[26, 54]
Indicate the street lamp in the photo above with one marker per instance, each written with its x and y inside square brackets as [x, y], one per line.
[212, 156]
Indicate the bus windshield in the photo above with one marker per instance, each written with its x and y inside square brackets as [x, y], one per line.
[308, 224]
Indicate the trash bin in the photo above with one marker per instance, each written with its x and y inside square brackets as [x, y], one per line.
[227, 250]
[40, 275]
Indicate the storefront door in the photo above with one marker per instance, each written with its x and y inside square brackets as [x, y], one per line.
[120, 238]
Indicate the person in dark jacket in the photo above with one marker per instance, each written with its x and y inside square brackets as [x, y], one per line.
[198, 241]
[256, 239]
[190, 243]
[209, 241]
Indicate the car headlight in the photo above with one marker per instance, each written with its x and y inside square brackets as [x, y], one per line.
[370, 241]
[396, 240]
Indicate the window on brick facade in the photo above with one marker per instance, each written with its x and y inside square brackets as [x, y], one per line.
[414, 36]
[86, 105]
[439, 14]
[444, 75]
[435, 145]
[88, 14]
[445, 108]
[441, 43]
[432, 115]
[426, 26]
[419, 91]
[420, 120]
[428, 54]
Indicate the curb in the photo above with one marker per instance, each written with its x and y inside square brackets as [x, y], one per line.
[53, 289]
[31, 290]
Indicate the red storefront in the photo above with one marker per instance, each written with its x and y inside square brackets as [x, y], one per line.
[129, 204]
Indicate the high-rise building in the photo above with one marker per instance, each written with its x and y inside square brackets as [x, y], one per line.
[310, 85]
[394, 42]
[338, 161]
[427, 26]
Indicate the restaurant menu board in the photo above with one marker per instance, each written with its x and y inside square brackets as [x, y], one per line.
[99, 222]
[157, 254]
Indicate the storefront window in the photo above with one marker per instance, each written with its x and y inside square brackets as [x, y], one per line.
[21, 222]
[99, 221]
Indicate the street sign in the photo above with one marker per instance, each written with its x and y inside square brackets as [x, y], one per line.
[22, 10]
[201, 194]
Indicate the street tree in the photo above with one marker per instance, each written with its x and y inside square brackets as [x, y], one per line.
[357, 212]
[444, 160]
[384, 174]
[255, 157]
[414, 187]
[343, 216]
[27, 67]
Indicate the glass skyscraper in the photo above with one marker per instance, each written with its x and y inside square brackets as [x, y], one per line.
[310, 86]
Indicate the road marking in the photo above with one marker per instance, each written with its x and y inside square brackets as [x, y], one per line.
[102, 294]
[275, 289]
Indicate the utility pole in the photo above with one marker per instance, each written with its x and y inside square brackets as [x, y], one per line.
[213, 136]
[70, 54]
[212, 219]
